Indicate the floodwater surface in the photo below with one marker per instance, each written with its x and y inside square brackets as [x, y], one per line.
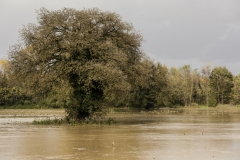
[137, 136]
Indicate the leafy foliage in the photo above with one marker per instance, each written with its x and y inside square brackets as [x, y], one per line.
[236, 90]
[90, 60]
[147, 86]
[221, 83]
[90, 50]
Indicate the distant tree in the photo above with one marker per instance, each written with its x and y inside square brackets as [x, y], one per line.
[149, 83]
[205, 81]
[3, 64]
[172, 92]
[10, 95]
[90, 50]
[3, 80]
[221, 84]
[236, 90]
[181, 83]
[189, 79]
[174, 86]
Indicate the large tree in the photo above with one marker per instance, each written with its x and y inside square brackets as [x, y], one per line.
[89, 50]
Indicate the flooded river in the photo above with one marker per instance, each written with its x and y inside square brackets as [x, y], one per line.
[166, 135]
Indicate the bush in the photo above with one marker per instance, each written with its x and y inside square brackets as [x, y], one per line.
[212, 102]
[194, 105]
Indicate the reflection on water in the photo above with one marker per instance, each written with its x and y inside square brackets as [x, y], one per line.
[138, 137]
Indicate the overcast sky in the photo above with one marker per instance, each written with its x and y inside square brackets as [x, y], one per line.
[175, 32]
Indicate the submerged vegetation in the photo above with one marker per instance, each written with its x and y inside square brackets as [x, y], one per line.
[88, 61]
[49, 121]
[60, 121]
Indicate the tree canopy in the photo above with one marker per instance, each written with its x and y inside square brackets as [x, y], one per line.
[88, 60]
[221, 84]
[89, 50]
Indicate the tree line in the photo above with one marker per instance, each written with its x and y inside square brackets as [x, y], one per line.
[88, 60]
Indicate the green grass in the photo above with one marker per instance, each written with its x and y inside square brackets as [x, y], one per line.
[202, 106]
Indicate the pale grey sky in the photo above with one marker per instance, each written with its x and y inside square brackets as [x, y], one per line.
[176, 32]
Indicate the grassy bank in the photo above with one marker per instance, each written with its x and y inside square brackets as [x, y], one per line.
[58, 116]
[27, 106]
[37, 113]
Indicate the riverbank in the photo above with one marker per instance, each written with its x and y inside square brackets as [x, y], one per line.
[32, 113]
[61, 112]
[119, 115]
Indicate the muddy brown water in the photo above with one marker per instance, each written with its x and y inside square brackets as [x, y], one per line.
[167, 134]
